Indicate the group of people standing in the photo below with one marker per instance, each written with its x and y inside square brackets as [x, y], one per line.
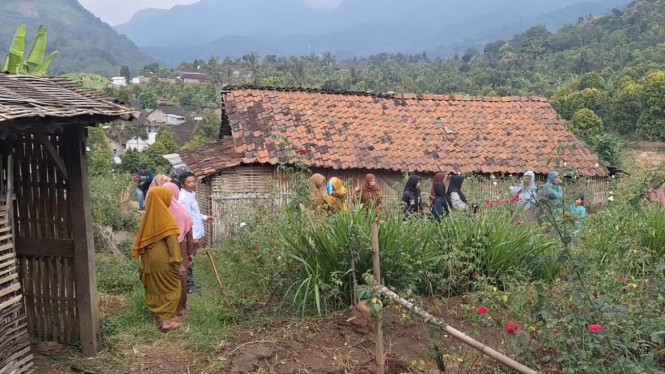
[166, 243]
[443, 200]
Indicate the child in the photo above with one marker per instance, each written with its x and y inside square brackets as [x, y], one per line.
[578, 211]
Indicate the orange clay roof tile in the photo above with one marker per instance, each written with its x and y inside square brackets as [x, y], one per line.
[427, 133]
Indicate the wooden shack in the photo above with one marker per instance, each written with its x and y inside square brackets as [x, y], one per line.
[48, 287]
[348, 134]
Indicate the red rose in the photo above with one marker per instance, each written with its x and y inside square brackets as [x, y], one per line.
[518, 223]
[556, 331]
[302, 151]
[516, 198]
[476, 366]
[501, 201]
[512, 327]
[621, 278]
[488, 201]
[492, 205]
[137, 177]
[595, 328]
[483, 310]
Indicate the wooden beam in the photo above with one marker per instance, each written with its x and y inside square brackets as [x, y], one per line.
[52, 152]
[87, 299]
[45, 247]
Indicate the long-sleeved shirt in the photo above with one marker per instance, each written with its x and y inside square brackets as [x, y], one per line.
[144, 180]
[188, 201]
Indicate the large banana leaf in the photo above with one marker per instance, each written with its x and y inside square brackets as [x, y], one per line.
[43, 67]
[15, 54]
[36, 56]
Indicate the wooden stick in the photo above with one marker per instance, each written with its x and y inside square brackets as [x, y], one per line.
[457, 334]
[378, 329]
[214, 268]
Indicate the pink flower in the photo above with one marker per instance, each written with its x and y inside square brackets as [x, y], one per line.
[488, 201]
[516, 198]
[492, 205]
[621, 278]
[501, 201]
[512, 327]
[136, 176]
[483, 310]
[595, 328]
[556, 331]
[518, 223]
[302, 151]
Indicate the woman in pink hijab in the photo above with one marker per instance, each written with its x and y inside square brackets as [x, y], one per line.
[186, 240]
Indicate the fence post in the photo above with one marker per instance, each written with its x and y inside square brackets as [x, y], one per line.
[378, 331]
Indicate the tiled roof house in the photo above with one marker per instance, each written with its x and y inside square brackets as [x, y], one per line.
[349, 134]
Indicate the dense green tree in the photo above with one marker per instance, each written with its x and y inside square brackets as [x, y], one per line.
[148, 100]
[131, 161]
[651, 122]
[124, 72]
[167, 138]
[100, 157]
[586, 125]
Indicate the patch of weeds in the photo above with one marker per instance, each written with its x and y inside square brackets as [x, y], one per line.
[117, 276]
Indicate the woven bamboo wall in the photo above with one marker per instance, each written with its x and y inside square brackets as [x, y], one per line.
[233, 192]
[14, 338]
[44, 243]
[202, 197]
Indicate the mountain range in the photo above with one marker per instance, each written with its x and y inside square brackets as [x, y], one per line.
[84, 42]
[355, 28]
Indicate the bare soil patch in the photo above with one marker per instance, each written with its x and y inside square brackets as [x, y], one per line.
[340, 343]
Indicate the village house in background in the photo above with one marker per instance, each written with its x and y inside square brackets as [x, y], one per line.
[118, 81]
[48, 290]
[348, 134]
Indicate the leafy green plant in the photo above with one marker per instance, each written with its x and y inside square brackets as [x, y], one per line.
[34, 63]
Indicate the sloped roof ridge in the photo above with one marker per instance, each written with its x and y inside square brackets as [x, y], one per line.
[388, 95]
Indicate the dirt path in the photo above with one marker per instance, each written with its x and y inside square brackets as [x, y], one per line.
[340, 343]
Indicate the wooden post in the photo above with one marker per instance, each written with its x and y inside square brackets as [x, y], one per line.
[78, 198]
[378, 329]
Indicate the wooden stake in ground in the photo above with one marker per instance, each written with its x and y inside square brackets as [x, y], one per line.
[378, 331]
[455, 333]
[214, 268]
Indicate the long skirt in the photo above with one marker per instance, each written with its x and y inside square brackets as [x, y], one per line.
[161, 280]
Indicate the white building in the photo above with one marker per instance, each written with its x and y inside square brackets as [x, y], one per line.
[174, 119]
[119, 81]
[137, 80]
[139, 144]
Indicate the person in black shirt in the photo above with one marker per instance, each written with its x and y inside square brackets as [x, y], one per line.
[411, 196]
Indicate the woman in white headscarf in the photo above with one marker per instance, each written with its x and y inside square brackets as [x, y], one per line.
[526, 196]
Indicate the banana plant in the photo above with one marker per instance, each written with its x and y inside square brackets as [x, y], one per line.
[34, 63]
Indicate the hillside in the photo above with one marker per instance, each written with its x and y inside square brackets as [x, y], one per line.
[85, 43]
[356, 28]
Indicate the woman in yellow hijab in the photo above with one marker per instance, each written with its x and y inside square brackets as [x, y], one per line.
[336, 196]
[161, 263]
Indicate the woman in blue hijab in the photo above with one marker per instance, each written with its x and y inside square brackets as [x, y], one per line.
[552, 191]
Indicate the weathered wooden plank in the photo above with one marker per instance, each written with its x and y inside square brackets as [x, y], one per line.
[43, 139]
[87, 299]
[45, 247]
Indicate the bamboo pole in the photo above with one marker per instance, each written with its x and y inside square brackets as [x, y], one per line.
[378, 330]
[214, 268]
[456, 333]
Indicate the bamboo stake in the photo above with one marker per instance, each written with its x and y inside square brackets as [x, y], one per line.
[456, 333]
[378, 331]
[214, 268]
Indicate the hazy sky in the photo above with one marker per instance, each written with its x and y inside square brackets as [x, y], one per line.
[116, 12]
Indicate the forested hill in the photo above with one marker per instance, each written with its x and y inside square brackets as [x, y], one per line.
[357, 28]
[605, 73]
[85, 43]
